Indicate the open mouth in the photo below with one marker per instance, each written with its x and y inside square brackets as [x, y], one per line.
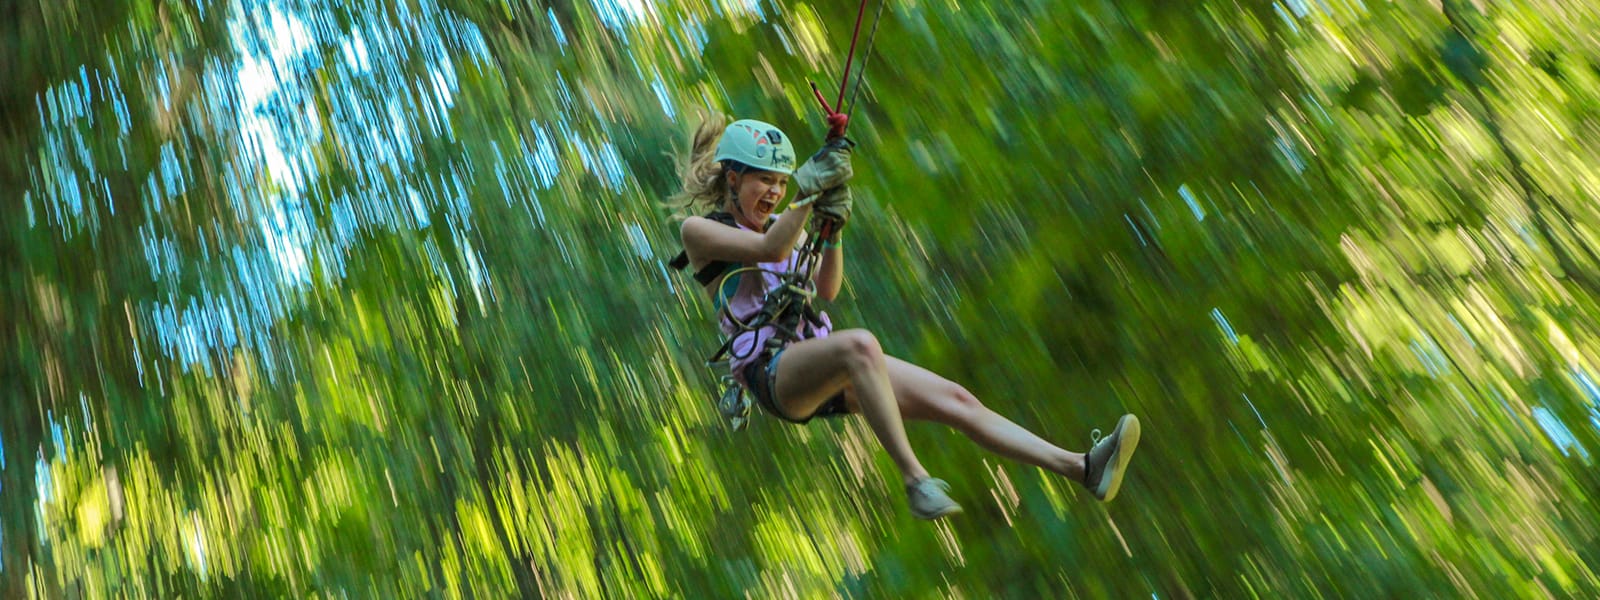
[766, 205]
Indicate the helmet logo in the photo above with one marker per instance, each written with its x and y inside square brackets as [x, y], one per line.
[779, 159]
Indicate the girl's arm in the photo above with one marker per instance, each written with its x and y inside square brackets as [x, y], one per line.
[830, 274]
[706, 240]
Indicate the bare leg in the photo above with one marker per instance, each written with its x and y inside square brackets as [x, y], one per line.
[812, 371]
[924, 395]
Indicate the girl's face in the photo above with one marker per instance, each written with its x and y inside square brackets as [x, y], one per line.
[756, 194]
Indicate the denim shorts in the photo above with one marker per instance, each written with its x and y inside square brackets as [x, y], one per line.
[761, 377]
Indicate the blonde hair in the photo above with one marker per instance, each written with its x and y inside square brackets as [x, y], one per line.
[704, 187]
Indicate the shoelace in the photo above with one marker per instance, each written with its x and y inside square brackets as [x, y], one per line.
[1088, 464]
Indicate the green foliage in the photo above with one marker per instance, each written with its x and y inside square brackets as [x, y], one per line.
[370, 299]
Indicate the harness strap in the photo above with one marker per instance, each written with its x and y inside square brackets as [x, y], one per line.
[785, 309]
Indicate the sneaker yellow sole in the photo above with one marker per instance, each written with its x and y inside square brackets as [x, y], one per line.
[1127, 433]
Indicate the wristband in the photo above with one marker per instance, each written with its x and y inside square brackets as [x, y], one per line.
[833, 243]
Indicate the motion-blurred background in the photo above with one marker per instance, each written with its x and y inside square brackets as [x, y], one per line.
[369, 299]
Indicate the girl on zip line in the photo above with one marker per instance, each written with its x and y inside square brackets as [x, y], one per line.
[737, 174]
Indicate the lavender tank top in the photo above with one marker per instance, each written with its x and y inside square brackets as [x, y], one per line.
[745, 303]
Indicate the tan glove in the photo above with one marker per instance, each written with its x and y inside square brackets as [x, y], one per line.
[827, 169]
[835, 204]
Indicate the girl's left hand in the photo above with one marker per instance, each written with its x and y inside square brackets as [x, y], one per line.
[835, 204]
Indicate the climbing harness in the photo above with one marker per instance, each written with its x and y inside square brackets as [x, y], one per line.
[789, 305]
[786, 308]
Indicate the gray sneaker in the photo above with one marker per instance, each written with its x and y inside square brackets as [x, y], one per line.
[929, 499]
[1107, 460]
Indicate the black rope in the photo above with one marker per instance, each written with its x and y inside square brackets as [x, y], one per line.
[861, 75]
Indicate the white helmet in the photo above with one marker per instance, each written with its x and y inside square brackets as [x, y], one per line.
[757, 144]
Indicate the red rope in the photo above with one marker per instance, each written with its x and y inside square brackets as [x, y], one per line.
[861, 13]
[828, 110]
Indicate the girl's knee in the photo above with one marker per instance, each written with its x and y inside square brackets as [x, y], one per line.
[953, 406]
[962, 405]
[964, 399]
[859, 346]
